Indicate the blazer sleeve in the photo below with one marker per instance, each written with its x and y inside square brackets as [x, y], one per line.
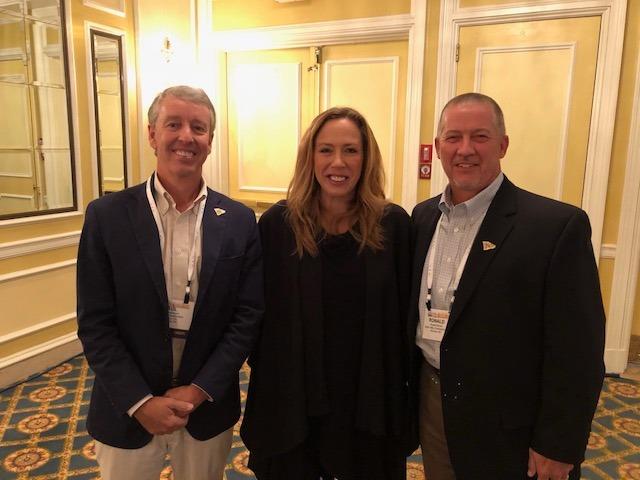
[220, 371]
[115, 368]
[573, 368]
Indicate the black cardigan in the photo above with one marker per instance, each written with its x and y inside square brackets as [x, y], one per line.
[278, 407]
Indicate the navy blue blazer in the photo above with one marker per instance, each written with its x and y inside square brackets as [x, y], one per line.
[123, 319]
[521, 361]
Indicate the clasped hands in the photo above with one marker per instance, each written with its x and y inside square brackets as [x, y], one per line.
[170, 412]
[546, 468]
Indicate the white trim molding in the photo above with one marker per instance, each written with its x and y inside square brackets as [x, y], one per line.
[393, 27]
[21, 365]
[7, 277]
[23, 332]
[612, 13]
[608, 250]
[12, 54]
[119, 11]
[627, 266]
[38, 244]
[571, 47]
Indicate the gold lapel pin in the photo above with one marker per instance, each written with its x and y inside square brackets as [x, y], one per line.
[219, 211]
[488, 245]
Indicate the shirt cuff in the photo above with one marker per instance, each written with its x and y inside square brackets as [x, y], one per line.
[137, 405]
[203, 391]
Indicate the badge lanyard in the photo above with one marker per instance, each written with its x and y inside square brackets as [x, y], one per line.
[192, 251]
[430, 267]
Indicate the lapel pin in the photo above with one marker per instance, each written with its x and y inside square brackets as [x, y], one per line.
[487, 245]
[219, 211]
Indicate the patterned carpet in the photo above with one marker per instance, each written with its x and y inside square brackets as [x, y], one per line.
[43, 435]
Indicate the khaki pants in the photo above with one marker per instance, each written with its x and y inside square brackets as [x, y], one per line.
[190, 459]
[435, 454]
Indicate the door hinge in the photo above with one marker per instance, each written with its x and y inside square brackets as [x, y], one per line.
[457, 52]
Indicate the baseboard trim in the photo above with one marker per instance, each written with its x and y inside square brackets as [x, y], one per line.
[31, 361]
[616, 359]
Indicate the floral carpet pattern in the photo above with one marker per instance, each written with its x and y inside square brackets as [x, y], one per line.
[43, 435]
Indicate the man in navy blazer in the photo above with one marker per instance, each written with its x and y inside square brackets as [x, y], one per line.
[169, 301]
[507, 315]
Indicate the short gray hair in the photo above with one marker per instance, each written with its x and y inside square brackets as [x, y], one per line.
[186, 93]
[474, 97]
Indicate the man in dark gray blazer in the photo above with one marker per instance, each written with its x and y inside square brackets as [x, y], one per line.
[507, 315]
[169, 301]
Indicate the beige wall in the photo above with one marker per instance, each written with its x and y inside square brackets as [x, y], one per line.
[37, 290]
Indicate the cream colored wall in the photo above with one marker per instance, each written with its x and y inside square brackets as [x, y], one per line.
[37, 290]
[234, 14]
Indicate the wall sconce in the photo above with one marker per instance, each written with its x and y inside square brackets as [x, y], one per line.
[167, 49]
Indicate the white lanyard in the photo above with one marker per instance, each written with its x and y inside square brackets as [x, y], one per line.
[191, 266]
[430, 267]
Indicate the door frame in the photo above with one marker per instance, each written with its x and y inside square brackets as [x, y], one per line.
[627, 251]
[609, 61]
[411, 27]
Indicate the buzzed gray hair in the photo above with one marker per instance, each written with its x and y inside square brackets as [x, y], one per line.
[188, 94]
[474, 97]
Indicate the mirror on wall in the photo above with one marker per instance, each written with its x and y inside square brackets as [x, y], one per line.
[108, 99]
[36, 155]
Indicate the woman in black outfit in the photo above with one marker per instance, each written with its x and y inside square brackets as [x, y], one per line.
[327, 397]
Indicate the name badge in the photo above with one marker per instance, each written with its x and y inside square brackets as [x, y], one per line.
[180, 315]
[435, 324]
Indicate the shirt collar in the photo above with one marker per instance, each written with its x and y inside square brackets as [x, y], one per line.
[164, 201]
[475, 205]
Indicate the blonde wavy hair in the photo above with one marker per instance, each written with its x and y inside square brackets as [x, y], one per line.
[303, 196]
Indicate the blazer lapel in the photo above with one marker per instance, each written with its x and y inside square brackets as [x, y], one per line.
[495, 227]
[146, 232]
[213, 227]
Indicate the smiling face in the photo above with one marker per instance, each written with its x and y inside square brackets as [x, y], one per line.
[181, 138]
[470, 147]
[337, 160]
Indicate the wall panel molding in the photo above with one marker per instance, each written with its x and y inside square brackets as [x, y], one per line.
[23, 332]
[110, 7]
[38, 244]
[7, 277]
[393, 27]
[608, 250]
[22, 365]
[388, 156]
